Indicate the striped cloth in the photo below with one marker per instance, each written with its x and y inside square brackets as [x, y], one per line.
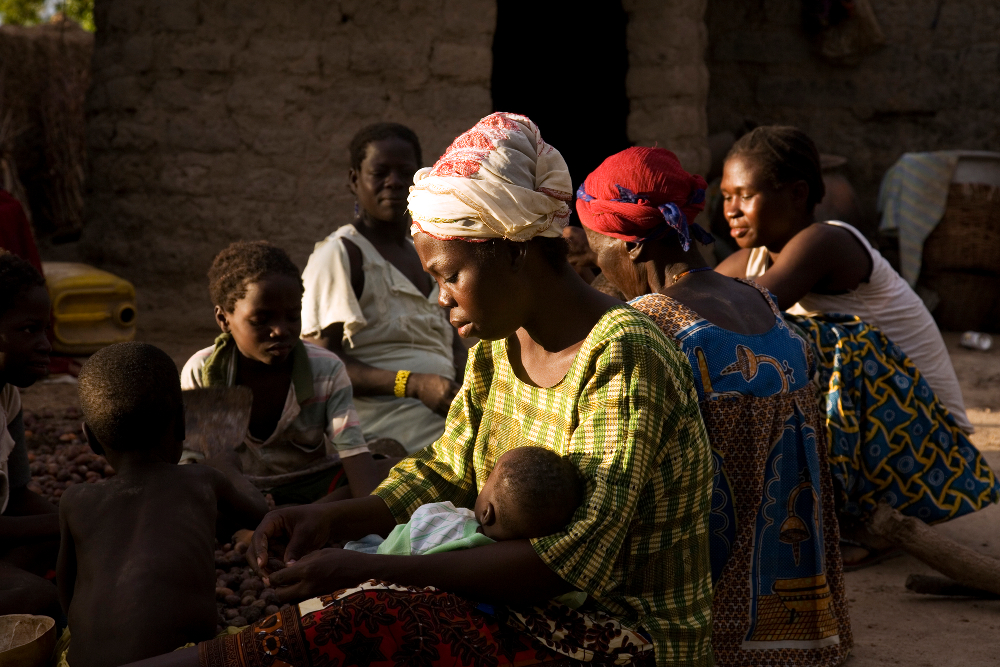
[912, 199]
[627, 415]
[318, 424]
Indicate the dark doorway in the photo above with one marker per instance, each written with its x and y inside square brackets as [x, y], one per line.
[563, 64]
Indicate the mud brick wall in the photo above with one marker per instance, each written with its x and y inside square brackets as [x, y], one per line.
[211, 121]
[935, 84]
[219, 120]
[668, 79]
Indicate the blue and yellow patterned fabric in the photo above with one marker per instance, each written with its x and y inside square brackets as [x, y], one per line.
[890, 439]
[726, 363]
[776, 567]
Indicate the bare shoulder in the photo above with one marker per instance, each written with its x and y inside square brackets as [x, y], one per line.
[827, 237]
[206, 482]
[200, 474]
[735, 266]
[79, 497]
[822, 242]
[81, 504]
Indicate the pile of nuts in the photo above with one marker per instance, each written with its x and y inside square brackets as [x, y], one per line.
[241, 597]
[58, 456]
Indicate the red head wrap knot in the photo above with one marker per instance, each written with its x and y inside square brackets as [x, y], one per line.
[641, 193]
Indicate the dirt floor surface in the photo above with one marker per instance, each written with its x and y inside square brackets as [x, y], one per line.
[891, 625]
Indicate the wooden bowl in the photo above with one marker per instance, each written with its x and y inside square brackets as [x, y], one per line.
[26, 640]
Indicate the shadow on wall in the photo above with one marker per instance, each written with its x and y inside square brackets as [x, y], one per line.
[933, 85]
[568, 76]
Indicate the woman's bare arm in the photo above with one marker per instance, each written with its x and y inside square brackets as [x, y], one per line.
[307, 528]
[366, 380]
[435, 391]
[507, 572]
[820, 258]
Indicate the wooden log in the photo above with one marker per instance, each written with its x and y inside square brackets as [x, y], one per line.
[931, 585]
[962, 564]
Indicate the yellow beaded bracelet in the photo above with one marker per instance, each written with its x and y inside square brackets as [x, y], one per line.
[400, 388]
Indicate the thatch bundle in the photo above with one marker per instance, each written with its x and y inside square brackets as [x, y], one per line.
[9, 178]
[64, 128]
[45, 70]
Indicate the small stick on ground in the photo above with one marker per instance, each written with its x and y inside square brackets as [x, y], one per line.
[962, 564]
[931, 585]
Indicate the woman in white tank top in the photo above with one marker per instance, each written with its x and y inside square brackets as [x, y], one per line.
[896, 422]
[824, 268]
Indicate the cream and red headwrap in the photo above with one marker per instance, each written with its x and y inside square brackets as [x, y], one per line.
[497, 180]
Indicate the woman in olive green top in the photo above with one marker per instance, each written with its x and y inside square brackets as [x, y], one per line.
[560, 366]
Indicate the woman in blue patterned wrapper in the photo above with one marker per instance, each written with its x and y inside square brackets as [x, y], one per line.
[896, 421]
[773, 527]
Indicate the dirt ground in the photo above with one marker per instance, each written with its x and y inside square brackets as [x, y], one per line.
[891, 625]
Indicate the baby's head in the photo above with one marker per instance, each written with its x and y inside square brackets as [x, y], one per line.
[24, 318]
[532, 492]
[257, 294]
[130, 394]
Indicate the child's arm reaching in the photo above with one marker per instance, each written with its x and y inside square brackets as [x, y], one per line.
[241, 504]
[66, 563]
[28, 518]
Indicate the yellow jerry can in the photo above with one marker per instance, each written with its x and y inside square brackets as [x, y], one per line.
[90, 308]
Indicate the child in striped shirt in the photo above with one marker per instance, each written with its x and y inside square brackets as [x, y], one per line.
[304, 440]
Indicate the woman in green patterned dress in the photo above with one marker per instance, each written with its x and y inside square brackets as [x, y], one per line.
[560, 366]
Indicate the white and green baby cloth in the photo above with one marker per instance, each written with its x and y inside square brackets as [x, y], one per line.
[433, 528]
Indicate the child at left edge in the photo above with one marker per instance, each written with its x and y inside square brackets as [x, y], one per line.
[29, 524]
[304, 440]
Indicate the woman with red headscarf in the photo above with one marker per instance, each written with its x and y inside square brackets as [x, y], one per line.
[776, 568]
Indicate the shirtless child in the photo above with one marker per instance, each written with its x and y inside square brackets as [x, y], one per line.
[136, 566]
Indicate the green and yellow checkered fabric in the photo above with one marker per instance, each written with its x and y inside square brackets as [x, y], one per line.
[627, 415]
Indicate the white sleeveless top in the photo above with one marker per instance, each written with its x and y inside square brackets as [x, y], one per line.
[392, 326]
[887, 302]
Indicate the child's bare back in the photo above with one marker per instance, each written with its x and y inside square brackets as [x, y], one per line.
[136, 564]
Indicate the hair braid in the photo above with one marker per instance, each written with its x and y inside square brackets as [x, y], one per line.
[783, 154]
[378, 132]
[242, 263]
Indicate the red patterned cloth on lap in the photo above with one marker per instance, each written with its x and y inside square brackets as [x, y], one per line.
[378, 624]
